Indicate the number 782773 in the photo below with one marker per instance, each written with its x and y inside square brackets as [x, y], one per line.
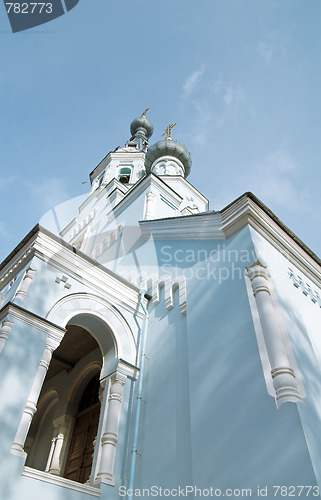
[31, 8]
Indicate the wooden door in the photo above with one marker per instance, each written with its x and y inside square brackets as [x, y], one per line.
[80, 455]
[79, 461]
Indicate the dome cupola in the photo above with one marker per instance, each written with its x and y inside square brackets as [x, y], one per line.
[168, 157]
[141, 128]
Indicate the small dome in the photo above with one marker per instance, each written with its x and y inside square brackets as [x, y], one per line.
[168, 148]
[142, 123]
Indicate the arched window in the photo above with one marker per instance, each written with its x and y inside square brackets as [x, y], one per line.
[124, 175]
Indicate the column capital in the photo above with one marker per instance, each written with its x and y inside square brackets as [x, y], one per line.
[257, 269]
[62, 423]
[118, 377]
[259, 277]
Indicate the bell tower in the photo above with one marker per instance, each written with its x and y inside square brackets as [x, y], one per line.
[125, 164]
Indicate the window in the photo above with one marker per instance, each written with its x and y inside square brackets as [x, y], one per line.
[124, 175]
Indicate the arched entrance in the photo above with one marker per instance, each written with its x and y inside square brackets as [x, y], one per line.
[61, 441]
[98, 342]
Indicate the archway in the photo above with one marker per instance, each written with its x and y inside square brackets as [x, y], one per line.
[63, 437]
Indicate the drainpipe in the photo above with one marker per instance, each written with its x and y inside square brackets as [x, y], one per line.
[139, 392]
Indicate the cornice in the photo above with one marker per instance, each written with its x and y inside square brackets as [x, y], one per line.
[53, 331]
[18, 258]
[114, 155]
[181, 180]
[87, 271]
[247, 210]
[197, 226]
[69, 260]
[150, 180]
[115, 184]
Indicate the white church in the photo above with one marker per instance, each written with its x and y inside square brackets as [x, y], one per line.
[152, 346]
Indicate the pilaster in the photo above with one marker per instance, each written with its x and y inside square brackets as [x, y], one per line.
[283, 376]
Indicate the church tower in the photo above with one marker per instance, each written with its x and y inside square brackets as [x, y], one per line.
[150, 346]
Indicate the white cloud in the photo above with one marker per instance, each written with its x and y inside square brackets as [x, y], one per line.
[218, 102]
[191, 82]
[274, 44]
[233, 95]
[202, 122]
[217, 86]
[277, 181]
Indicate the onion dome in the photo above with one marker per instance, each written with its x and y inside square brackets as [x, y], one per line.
[168, 157]
[141, 127]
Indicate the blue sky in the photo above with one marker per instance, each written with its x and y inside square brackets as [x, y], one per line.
[241, 78]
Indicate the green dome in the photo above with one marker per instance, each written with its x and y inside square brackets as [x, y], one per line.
[168, 147]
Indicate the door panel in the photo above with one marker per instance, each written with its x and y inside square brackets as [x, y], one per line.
[79, 461]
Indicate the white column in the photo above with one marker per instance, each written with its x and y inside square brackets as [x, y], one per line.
[25, 283]
[51, 452]
[33, 397]
[4, 332]
[110, 431]
[62, 426]
[150, 205]
[282, 374]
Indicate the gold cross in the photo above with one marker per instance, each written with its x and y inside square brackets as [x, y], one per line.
[144, 113]
[168, 131]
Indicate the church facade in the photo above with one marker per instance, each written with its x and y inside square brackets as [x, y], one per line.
[150, 346]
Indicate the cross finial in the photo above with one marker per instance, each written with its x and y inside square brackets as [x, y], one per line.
[168, 131]
[144, 113]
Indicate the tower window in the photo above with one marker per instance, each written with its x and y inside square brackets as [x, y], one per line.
[100, 180]
[124, 175]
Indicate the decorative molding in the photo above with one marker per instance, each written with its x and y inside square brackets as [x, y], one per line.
[83, 224]
[245, 211]
[53, 331]
[60, 481]
[62, 257]
[305, 288]
[127, 369]
[70, 305]
[112, 236]
[177, 182]
[150, 182]
[63, 280]
[180, 283]
[196, 226]
[274, 344]
[120, 155]
[15, 265]
[154, 283]
[249, 210]
[149, 208]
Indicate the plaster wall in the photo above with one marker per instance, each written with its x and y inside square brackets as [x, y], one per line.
[302, 319]
[208, 419]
